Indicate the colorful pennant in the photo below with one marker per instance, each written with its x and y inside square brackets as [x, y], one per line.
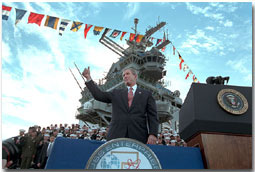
[185, 67]
[63, 24]
[158, 41]
[86, 30]
[51, 22]
[35, 18]
[5, 12]
[76, 26]
[19, 15]
[131, 36]
[139, 38]
[106, 31]
[194, 78]
[97, 30]
[115, 33]
[174, 50]
[180, 57]
[122, 35]
[189, 73]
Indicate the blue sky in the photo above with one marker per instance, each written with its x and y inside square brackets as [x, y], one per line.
[37, 88]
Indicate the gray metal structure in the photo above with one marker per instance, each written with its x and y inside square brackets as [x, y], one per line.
[150, 66]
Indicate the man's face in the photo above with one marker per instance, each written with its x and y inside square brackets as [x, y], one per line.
[46, 137]
[129, 78]
[52, 139]
[34, 133]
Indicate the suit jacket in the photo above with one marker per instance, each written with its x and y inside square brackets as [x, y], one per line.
[43, 155]
[137, 121]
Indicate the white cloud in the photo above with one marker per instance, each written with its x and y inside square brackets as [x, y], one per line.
[210, 28]
[234, 35]
[217, 16]
[228, 23]
[212, 11]
[43, 98]
[6, 53]
[206, 11]
[238, 65]
[214, 4]
[226, 7]
[101, 58]
[13, 129]
[197, 10]
[132, 9]
[248, 78]
[222, 53]
[201, 40]
[96, 6]
[179, 83]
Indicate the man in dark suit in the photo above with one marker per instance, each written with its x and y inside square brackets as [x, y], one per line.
[43, 154]
[132, 109]
[46, 151]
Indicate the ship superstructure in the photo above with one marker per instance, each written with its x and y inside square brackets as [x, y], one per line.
[150, 66]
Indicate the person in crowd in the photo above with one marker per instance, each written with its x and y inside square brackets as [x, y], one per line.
[165, 131]
[55, 132]
[167, 141]
[81, 134]
[159, 141]
[85, 127]
[28, 143]
[173, 140]
[17, 143]
[66, 132]
[94, 133]
[41, 158]
[46, 150]
[78, 134]
[73, 136]
[130, 119]
[38, 152]
[98, 137]
[5, 162]
[59, 135]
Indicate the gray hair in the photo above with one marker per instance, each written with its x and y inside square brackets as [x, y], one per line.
[133, 71]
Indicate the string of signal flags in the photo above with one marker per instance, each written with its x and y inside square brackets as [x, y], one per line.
[52, 22]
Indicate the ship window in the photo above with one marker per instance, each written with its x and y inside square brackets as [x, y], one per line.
[149, 58]
[158, 60]
[154, 58]
[140, 62]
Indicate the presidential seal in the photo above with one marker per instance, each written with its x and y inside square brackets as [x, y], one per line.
[123, 153]
[232, 101]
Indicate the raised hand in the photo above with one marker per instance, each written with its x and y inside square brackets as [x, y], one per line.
[86, 73]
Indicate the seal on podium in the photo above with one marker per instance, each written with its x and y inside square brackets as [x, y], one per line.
[123, 153]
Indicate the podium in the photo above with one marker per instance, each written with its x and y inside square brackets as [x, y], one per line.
[74, 154]
[224, 137]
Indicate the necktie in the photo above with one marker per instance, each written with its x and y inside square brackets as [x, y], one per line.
[130, 96]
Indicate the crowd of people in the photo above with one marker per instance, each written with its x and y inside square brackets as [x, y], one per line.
[36, 144]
